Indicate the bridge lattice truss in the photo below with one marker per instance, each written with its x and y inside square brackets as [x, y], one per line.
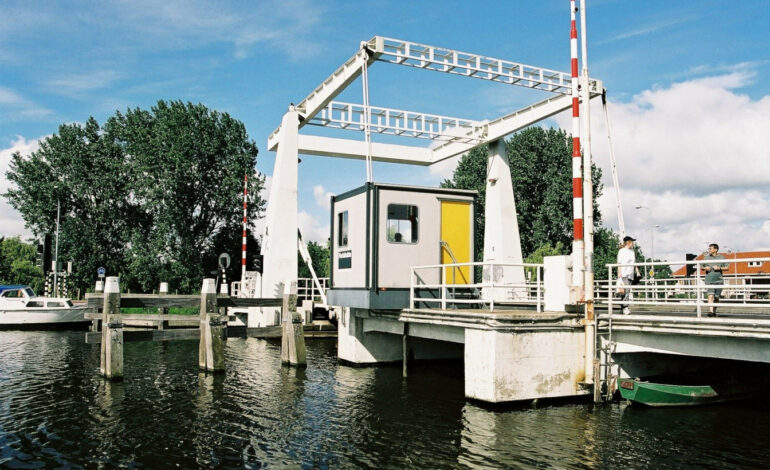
[451, 135]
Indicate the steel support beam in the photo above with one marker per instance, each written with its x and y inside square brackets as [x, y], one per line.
[356, 149]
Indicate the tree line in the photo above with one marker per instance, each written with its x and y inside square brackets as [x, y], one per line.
[150, 195]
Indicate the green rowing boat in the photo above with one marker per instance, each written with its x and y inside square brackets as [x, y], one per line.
[654, 394]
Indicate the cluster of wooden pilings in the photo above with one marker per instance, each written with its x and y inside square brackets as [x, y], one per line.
[213, 321]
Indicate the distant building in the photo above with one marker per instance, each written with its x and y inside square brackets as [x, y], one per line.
[741, 273]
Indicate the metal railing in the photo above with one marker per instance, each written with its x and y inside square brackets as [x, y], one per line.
[307, 290]
[746, 291]
[488, 292]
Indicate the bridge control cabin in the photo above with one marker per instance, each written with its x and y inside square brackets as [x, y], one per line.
[379, 231]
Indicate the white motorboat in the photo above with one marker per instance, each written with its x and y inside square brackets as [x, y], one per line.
[20, 307]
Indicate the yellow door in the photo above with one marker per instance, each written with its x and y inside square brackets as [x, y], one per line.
[456, 232]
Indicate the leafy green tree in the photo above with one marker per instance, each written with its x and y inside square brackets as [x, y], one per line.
[541, 171]
[151, 195]
[17, 264]
[537, 256]
[320, 256]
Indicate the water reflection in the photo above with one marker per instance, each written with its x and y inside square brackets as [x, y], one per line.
[55, 411]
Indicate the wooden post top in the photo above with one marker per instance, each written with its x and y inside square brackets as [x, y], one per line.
[111, 285]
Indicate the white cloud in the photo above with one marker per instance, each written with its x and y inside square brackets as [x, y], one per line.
[697, 153]
[322, 196]
[16, 106]
[83, 82]
[11, 223]
[311, 228]
[445, 169]
[286, 25]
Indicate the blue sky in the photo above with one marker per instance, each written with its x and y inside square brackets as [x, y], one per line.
[688, 87]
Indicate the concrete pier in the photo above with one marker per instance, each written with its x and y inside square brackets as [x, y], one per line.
[508, 355]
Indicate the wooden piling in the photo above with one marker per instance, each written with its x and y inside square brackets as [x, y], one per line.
[293, 338]
[162, 310]
[405, 351]
[211, 347]
[111, 366]
[98, 289]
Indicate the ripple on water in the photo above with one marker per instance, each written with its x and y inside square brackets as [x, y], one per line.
[56, 412]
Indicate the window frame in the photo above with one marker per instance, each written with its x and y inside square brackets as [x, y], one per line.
[343, 229]
[414, 224]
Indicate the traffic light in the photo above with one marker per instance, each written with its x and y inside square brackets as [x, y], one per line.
[690, 268]
[46, 257]
[39, 256]
[258, 259]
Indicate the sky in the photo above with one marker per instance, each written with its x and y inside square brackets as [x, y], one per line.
[688, 90]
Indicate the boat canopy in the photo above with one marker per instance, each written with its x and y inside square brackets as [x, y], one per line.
[12, 287]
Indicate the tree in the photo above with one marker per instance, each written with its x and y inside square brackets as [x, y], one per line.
[541, 171]
[151, 195]
[320, 257]
[17, 264]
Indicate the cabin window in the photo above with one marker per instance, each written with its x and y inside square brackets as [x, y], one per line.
[34, 303]
[342, 229]
[55, 304]
[12, 294]
[403, 223]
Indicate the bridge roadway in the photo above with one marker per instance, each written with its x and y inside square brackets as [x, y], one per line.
[737, 333]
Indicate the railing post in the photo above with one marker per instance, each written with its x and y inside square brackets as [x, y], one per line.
[111, 366]
[610, 294]
[293, 338]
[411, 287]
[697, 289]
[210, 349]
[98, 289]
[539, 299]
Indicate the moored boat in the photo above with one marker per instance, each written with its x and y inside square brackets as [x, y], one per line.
[658, 395]
[20, 307]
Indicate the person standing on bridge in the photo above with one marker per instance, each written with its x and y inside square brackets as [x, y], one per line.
[627, 257]
[714, 277]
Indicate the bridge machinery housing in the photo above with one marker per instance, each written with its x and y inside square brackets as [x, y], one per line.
[382, 231]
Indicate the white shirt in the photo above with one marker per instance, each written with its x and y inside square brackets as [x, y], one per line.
[626, 256]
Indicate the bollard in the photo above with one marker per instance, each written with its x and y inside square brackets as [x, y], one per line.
[162, 310]
[293, 338]
[111, 366]
[98, 289]
[211, 347]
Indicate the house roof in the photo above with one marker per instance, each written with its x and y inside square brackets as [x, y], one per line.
[739, 268]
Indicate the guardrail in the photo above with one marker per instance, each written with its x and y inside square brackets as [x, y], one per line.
[449, 292]
[306, 288]
[751, 292]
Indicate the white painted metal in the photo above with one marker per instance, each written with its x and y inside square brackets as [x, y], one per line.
[588, 201]
[367, 119]
[519, 293]
[508, 124]
[279, 239]
[502, 244]
[454, 135]
[356, 149]
[332, 86]
[309, 263]
[422, 56]
[389, 121]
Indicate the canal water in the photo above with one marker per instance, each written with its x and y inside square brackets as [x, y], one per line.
[55, 412]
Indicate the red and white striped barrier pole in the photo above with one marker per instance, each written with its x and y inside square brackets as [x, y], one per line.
[243, 241]
[577, 167]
